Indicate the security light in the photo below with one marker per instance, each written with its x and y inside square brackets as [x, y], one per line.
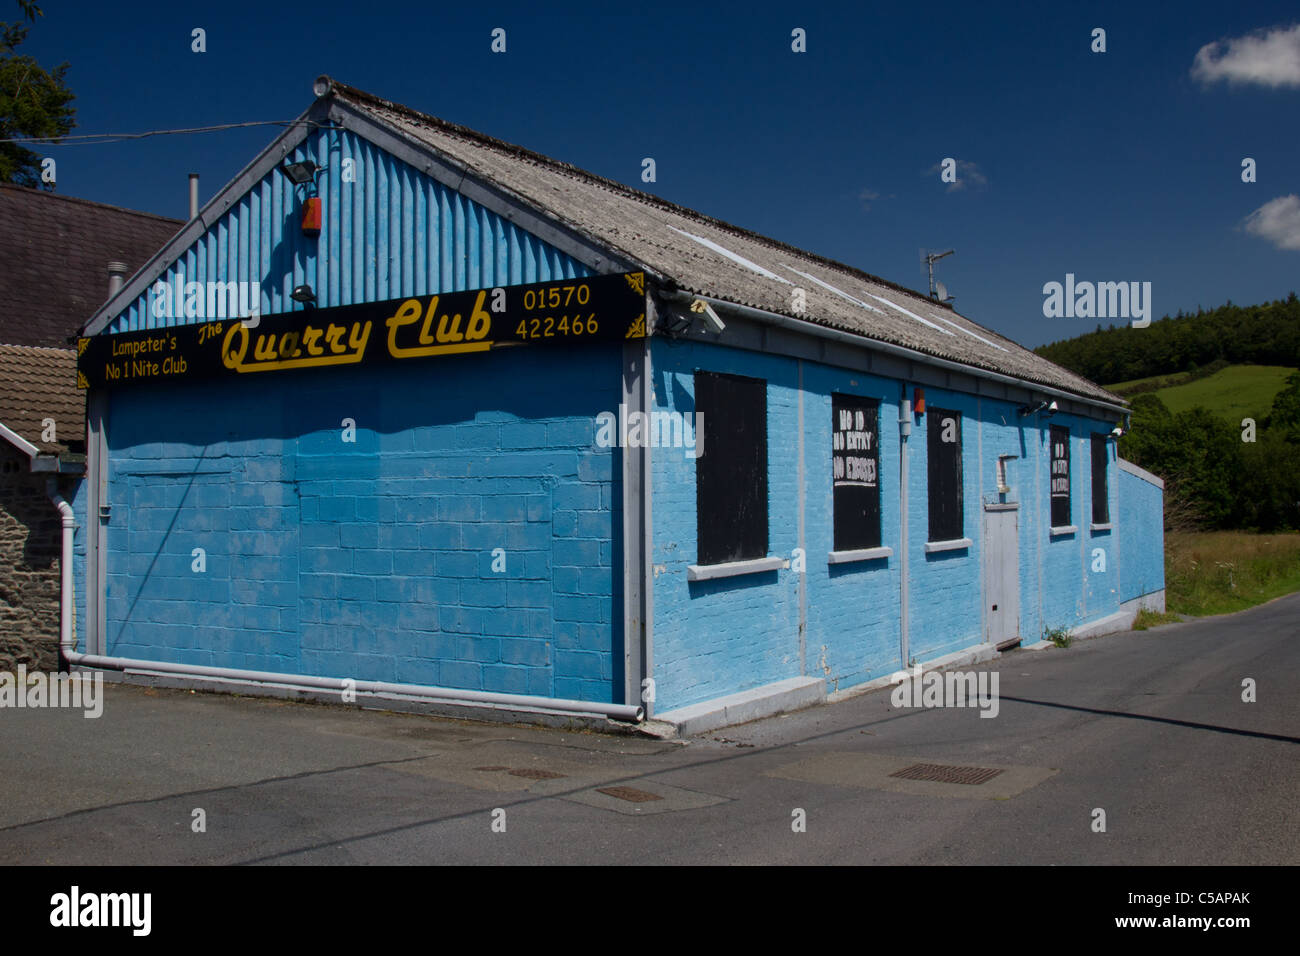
[1031, 409]
[1051, 409]
[300, 174]
[303, 294]
[1117, 431]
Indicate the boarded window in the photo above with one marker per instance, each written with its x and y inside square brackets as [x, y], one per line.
[855, 472]
[1060, 458]
[731, 475]
[1100, 491]
[943, 445]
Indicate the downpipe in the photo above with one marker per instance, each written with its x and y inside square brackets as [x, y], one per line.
[68, 649]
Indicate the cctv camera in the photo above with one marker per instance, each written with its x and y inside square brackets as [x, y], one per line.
[1117, 431]
[700, 307]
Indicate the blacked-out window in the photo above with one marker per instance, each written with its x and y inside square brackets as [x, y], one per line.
[1059, 437]
[855, 467]
[943, 445]
[731, 474]
[1100, 492]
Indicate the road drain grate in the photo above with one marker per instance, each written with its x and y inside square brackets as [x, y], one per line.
[939, 773]
[630, 794]
[532, 774]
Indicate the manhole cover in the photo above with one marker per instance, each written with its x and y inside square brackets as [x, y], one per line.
[493, 768]
[940, 773]
[532, 774]
[630, 794]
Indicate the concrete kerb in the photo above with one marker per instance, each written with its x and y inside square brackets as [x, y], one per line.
[793, 693]
[388, 702]
[978, 654]
[1121, 620]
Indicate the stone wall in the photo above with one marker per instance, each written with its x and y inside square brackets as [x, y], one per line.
[29, 566]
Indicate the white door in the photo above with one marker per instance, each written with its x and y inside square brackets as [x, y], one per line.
[1001, 575]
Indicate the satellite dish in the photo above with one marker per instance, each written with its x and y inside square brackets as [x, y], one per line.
[942, 289]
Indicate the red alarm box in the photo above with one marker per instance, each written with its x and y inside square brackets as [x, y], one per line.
[311, 216]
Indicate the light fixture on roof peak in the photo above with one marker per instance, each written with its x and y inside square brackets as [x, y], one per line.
[301, 173]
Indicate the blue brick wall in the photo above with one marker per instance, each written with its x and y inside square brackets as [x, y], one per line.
[1141, 533]
[719, 637]
[852, 609]
[1061, 583]
[78, 501]
[374, 559]
[715, 637]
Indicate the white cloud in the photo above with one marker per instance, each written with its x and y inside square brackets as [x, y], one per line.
[1267, 57]
[867, 197]
[1278, 221]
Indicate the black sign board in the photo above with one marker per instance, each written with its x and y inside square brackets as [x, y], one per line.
[1060, 458]
[1100, 496]
[608, 308]
[855, 467]
[731, 474]
[943, 449]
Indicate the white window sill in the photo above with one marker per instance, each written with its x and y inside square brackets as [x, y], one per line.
[957, 544]
[1103, 527]
[862, 554]
[1064, 529]
[706, 572]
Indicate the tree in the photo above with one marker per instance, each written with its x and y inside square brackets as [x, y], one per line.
[33, 102]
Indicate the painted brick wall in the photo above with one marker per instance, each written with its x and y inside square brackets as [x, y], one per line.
[373, 559]
[1062, 581]
[1141, 533]
[719, 637]
[852, 609]
[944, 587]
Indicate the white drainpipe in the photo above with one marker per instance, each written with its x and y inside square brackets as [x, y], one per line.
[68, 648]
[67, 639]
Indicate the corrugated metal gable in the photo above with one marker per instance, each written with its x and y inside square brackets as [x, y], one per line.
[389, 233]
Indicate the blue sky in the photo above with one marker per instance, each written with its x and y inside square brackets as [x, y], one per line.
[1115, 166]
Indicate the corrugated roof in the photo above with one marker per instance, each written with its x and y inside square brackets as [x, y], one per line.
[55, 252]
[41, 383]
[710, 257]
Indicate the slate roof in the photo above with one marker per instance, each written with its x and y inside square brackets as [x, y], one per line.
[54, 255]
[700, 254]
[39, 383]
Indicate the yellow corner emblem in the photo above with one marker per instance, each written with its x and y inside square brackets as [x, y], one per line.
[637, 281]
[637, 329]
[82, 345]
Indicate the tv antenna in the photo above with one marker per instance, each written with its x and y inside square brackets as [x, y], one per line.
[938, 291]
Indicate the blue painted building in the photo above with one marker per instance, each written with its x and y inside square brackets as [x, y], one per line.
[734, 466]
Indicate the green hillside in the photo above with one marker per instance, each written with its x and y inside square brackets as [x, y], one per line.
[1231, 393]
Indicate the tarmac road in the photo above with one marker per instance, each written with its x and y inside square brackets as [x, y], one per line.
[1148, 727]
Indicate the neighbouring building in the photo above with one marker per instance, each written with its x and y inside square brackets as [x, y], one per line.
[56, 254]
[411, 407]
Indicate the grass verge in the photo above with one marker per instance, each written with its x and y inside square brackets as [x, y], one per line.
[1218, 572]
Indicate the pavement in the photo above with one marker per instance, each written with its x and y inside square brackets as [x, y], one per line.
[1149, 728]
